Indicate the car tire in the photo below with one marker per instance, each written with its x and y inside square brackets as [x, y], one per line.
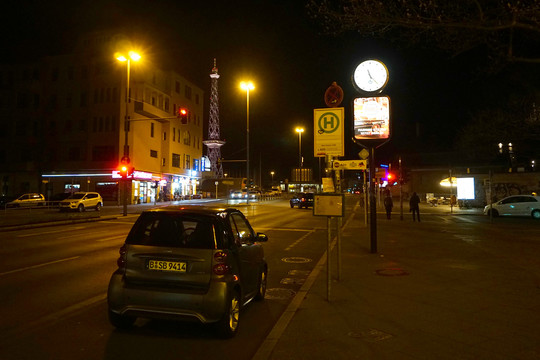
[227, 326]
[80, 208]
[495, 212]
[98, 207]
[120, 321]
[536, 214]
[261, 289]
[292, 205]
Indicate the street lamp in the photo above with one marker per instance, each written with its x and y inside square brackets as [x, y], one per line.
[300, 130]
[125, 158]
[247, 86]
[272, 173]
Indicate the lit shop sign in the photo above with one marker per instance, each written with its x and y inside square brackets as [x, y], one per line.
[372, 117]
[141, 175]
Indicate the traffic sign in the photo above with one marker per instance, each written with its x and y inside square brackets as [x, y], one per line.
[329, 133]
[350, 164]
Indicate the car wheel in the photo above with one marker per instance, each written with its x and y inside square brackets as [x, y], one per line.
[228, 325]
[536, 214]
[495, 213]
[98, 206]
[80, 208]
[292, 205]
[120, 321]
[261, 292]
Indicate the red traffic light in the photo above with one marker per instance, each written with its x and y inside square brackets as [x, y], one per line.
[123, 171]
[183, 115]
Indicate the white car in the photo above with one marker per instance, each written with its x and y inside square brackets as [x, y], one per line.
[516, 205]
[28, 200]
[81, 201]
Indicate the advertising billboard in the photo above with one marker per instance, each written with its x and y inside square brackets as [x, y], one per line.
[371, 117]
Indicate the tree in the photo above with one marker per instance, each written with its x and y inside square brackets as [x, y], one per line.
[507, 29]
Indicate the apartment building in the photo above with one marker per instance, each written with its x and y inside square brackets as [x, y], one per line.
[63, 125]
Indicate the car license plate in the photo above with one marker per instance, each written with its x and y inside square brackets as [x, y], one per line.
[167, 265]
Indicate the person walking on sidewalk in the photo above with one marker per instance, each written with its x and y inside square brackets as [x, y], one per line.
[413, 206]
[388, 204]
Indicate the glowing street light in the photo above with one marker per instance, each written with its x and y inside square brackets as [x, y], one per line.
[125, 159]
[272, 173]
[247, 87]
[300, 130]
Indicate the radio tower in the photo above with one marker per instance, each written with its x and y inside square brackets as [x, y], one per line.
[213, 143]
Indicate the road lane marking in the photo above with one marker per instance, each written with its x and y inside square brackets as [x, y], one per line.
[299, 240]
[51, 232]
[112, 238]
[38, 266]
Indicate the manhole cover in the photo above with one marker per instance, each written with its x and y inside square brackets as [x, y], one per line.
[296, 260]
[292, 281]
[391, 272]
[279, 294]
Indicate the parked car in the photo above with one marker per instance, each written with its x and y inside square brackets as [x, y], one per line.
[80, 201]
[27, 200]
[516, 205]
[302, 200]
[188, 263]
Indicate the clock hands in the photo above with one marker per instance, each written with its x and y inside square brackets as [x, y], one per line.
[371, 77]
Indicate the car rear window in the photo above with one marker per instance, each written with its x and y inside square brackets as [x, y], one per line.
[173, 230]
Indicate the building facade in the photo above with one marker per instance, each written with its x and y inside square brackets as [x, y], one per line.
[63, 124]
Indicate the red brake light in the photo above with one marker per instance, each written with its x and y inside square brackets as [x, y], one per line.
[220, 268]
[121, 262]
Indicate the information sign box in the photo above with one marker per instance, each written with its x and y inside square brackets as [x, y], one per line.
[329, 205]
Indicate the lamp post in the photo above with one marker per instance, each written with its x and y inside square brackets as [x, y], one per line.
[272, 173]
[125, 158]
[247, 86]
[300, 130]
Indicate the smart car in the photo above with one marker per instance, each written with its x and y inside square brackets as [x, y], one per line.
[191, 263]
[516, 205]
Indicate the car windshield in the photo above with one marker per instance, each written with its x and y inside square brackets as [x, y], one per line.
[76, 196]
[173, 230]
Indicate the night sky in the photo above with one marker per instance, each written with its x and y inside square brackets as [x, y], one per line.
[277, 46]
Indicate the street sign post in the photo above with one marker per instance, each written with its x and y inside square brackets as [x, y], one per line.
[329, 132]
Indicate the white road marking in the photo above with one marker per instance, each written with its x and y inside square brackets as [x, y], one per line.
[38, 266]
[50, 232]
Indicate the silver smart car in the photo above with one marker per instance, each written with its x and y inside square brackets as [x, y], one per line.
[188, 263]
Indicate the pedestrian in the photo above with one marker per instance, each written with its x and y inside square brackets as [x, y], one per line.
[388, 204]
[413, 206]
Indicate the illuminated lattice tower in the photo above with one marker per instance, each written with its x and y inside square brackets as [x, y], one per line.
[213, 143]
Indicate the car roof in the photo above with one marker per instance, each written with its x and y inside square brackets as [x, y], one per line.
[194, 209]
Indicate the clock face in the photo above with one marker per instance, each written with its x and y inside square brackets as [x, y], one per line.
[370, 76]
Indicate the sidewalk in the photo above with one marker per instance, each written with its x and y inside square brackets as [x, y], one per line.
[431, 292]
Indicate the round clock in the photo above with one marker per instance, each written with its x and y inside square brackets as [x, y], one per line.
[370, 76]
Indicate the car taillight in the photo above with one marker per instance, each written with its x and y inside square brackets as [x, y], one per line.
[220, 267]
[121, 262]
[303, 199]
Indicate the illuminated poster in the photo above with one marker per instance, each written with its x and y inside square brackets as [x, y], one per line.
[372, 117]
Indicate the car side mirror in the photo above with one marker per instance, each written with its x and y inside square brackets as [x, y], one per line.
[261, 237]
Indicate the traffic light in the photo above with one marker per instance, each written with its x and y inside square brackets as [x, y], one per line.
[124, 171]
[183, 115]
